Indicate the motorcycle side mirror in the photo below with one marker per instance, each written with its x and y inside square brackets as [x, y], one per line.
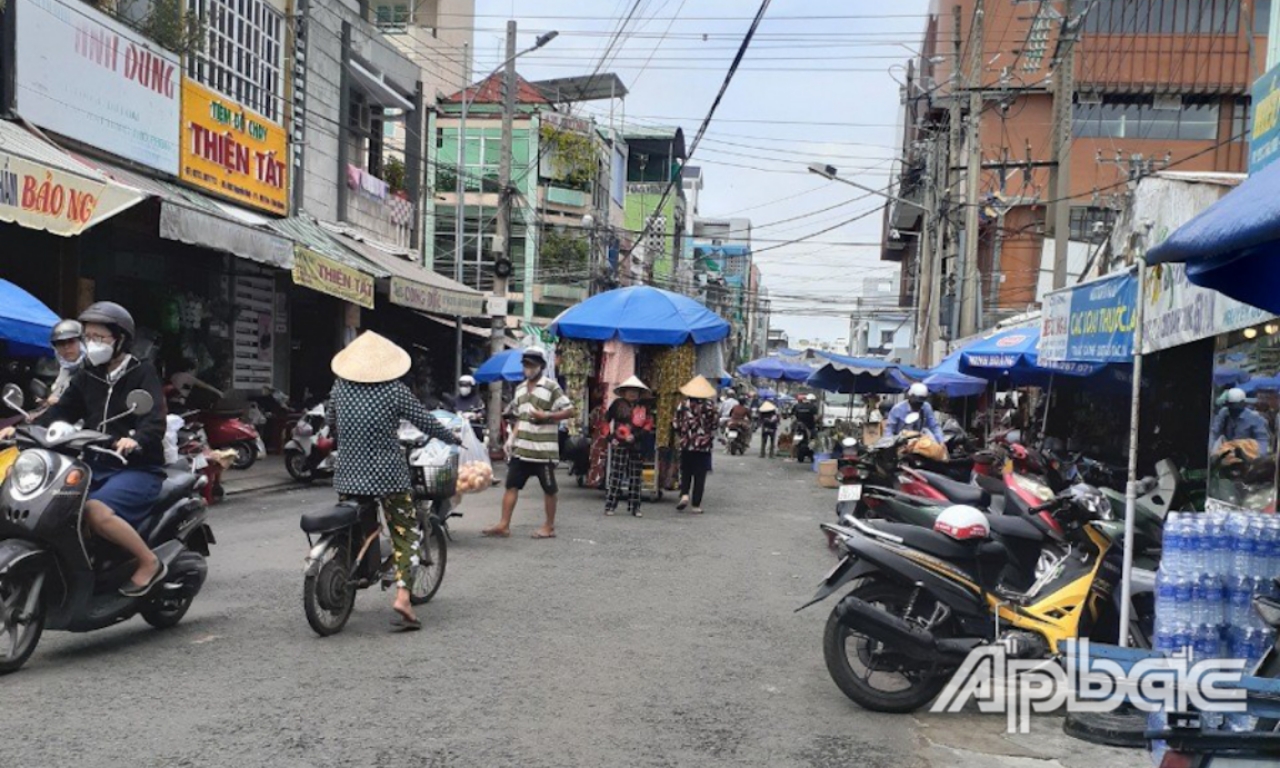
[12, 396]
[912, 418]
[140, 402]
[39, 390]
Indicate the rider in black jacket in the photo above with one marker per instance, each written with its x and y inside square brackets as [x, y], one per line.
[120, 498]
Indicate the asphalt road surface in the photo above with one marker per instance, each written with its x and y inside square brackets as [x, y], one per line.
[663, 641]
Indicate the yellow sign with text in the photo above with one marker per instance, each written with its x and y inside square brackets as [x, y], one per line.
[232, 151]
[323, 274]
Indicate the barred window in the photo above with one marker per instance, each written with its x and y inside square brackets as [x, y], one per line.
[243, 56]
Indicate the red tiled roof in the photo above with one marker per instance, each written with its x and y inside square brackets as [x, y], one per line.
[489, 91]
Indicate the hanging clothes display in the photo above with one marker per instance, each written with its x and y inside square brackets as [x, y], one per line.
[576, 368]
[618, 363]
[710, 362]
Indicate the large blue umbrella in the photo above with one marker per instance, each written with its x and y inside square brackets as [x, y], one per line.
[1226, 376]
[1261, 384]
[775, 369]
[504, 366]
[1013, 355]
[641, 315]
[25, 322]
[947, 379]
[859, 375]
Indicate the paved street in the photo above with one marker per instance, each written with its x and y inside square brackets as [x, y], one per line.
[666, 641]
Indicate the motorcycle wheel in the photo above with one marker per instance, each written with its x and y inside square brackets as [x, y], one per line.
[19, 634]
[246, 455]
[327, 594]
[428, 575]
[918, 682]
[163, 613]
[296, 463]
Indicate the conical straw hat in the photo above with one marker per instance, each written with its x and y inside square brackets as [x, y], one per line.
[632, 383]
[371, 359]
[699, 388]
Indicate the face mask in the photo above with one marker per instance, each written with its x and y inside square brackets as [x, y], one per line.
[72, 365]
[464, 391]
[100, 353]
[1235, 409]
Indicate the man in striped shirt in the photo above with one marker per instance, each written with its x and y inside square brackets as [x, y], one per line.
[538, 407]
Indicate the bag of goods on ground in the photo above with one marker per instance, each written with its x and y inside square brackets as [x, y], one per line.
[475, 472]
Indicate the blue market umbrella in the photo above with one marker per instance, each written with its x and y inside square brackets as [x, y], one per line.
[859, 375]
[1226, 376]
[775, 369]
[641, 315]
[504, 366]
[947, 379]
[1261, 384]
[1013, 355]
[25, 322]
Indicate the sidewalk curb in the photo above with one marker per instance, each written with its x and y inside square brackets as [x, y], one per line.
[274, 487]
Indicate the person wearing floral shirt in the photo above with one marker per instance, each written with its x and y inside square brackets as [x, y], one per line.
[696, 422]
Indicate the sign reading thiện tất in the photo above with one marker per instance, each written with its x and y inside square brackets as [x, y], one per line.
[232, 151]
[323, 274]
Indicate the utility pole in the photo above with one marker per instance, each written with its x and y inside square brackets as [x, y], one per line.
[970, 286]
[502, 267]
[926, 261]
[954, 125]
[1064, 87]
[460, 194]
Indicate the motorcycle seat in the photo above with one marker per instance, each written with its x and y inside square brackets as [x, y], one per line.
[934, 543]
[960, 493]
[331, 518]
[1016, 527]
[177, 485]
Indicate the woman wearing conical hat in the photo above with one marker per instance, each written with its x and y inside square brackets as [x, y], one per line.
[365, 408]
[696, 422]
[628, 422]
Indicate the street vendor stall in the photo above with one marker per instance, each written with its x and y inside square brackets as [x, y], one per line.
[860, 376]
[776, 369]
[660, 336]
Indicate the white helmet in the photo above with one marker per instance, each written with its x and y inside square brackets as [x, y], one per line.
[1235, 395]
[918, 390]
[537, 354]
[962, 523]
[467, 381]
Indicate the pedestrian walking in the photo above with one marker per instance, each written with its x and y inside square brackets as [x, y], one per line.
[366, 406]
[539, 406]
[696, 421]
[629, 426]
[769, 420]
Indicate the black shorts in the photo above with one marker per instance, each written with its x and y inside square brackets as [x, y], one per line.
[519, 471]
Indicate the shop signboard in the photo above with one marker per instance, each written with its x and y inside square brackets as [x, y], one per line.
[86, 76]
[232, 151]
[1264, 137]
[441, 301]
[1177, 312]
[40, 197]
[323, 274]
[1099, 322]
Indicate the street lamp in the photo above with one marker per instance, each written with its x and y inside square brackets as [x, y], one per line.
[832, 173]
[459, 187]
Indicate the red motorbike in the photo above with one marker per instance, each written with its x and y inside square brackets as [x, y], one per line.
[228, 431]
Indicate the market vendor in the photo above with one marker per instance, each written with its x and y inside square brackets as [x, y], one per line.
[1237, 421]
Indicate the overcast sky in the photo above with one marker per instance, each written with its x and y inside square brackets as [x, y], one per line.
[815, 85]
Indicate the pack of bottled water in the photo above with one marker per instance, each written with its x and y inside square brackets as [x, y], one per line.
[1212, 565]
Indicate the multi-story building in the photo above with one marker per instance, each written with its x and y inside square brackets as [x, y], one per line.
[876, 329]
[1158, 83]
[727, 280]
[655, 206]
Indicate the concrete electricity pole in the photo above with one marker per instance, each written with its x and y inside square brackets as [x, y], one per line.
[502, 266]
[954, 125]
[1064, 86]
[927, 261]
[970, 288]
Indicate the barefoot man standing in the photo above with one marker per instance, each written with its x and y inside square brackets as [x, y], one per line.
[539, 407]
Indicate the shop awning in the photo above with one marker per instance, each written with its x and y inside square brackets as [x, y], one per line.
[323, 264]
[379, 90]
[45, 188]
[1233, 246]
[187, 216]
[413, 285]
[472, 330]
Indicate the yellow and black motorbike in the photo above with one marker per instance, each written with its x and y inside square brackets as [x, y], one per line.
[923, 599]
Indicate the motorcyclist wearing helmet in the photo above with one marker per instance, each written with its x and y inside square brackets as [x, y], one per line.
[917, 402]
[68, 348]
[805, 412]
[469, 403]
[120, 497]
[1237, 421]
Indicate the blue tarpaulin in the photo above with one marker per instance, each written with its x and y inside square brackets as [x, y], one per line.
[947, 379]
[775, 369]
[859, 375]
[1261, 384]
[1233, 246]
[25, 322]
[641, 315]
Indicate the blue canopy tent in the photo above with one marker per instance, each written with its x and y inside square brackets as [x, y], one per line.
[859, 375]
[1012, 355]
[947, 379]
[641, 315]
[25, 322]
[1233, 246]
[775, 369]
[1261, 384]
[504, 366]
[1225, 376]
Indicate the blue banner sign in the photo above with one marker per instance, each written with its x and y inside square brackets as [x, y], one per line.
[1264, 138]
[1091, 323]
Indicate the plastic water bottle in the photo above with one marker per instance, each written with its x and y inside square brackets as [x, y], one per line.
[1220, 545]
[1173, 545]
[1244, 547]
[1182, 585]
[1267, 558]
[1166, 598]
[1240, 591]
[1206, 642]
[1206, 600]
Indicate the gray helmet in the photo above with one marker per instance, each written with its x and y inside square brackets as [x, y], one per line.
[112, 314]
[66, 330]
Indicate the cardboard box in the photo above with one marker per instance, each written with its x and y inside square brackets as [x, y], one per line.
[827, 474]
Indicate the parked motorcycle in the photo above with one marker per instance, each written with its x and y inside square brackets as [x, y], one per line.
[54, 577]
[348, 553]
[311, 450]
[199, 458]
[227, 430]
[801, 442]
[923, 599]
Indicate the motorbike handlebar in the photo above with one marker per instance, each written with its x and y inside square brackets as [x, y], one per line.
[116, 454]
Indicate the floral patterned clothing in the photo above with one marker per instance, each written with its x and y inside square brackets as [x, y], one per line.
[696, 423]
